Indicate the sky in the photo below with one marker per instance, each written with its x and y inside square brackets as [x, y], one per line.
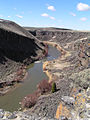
[71, 14]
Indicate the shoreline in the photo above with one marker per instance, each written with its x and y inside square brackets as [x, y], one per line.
[47, 63]
[20, 75]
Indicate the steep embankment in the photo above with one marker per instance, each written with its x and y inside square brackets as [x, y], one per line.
[71, 74]
[18, 48]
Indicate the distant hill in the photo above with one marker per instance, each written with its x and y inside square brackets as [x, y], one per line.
[47, 28]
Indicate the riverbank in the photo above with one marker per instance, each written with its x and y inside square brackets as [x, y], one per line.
[46, 65]
[18, 77]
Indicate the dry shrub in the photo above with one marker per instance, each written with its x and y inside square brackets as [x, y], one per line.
[44, 86]
[29, 100]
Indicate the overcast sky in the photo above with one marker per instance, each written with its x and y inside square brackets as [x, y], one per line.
[73, 14]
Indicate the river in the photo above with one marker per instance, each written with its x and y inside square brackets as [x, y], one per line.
[11, 100]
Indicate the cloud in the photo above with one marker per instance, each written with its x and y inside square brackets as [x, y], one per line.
[53, 18]
[83, 7]
[9, 16]
[83, 19]
[19, 16]
[45, 15]
[51, 8]
[73, 14]
[48, 16]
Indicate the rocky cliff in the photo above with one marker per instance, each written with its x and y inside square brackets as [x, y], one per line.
[17, 47]
[58, 35]
[16, 43]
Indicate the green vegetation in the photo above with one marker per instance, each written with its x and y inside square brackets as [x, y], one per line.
[54, 87]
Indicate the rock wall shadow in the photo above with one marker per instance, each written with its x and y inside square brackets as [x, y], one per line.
[16, 47]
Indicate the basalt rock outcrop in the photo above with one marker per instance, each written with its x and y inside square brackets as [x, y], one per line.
[16, 43]
[61, 36]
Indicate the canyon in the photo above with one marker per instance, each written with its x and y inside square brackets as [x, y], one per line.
[20, 46]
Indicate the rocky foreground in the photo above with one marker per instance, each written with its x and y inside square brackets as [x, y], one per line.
[5, 115]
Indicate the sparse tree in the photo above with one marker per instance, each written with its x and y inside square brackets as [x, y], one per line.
[54, 87]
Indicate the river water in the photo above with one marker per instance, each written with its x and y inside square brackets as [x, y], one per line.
[11, 100]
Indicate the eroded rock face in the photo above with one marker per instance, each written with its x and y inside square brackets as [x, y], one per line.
[16, 43]
[18, 47]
